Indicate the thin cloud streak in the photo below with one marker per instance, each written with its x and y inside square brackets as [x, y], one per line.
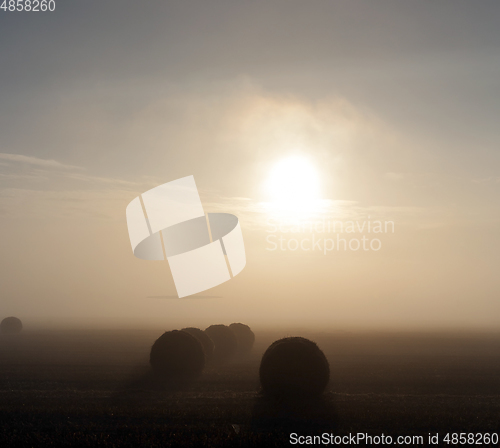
[183, 298]
[46, 163]
[106, 180]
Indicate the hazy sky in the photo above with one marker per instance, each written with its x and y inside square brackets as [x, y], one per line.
[395, 104]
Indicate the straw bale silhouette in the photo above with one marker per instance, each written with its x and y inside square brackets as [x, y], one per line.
[206, 342]
[225, 342]
[294, 367]
[177, 355]
[11, 325]
[244, 336]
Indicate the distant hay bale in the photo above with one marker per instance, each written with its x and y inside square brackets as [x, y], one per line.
[225, 342]
[294, 367]
[244, 336]
[11, 325]
[205, 341]
[177, 355]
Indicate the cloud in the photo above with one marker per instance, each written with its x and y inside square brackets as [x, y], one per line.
[20, 170]
[32, 204]
[488, 180]
[22, 177]
[35, 161]
[105, 180]
[184, 298]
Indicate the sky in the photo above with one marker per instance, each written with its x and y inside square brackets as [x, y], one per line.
[392, 106]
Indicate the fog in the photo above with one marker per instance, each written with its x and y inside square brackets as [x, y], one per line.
[395, 104]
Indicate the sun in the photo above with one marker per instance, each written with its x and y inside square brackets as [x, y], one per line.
[293, 185]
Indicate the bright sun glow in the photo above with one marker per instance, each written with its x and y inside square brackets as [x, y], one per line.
[293, 185]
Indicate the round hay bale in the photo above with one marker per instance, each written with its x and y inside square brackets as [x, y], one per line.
[244, 336]
[177, 354]
[225, 343]
[205, 341]
[11, 325]
[294, 367]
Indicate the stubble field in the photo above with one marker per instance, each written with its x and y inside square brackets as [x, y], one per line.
[95, 388]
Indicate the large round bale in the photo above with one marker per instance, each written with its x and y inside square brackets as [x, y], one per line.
[294, 367]
[225, 342]
[244, 336]
[205, 341]
[178, 355]
[11, 325]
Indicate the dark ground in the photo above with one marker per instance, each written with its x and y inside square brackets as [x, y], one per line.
[94, 388]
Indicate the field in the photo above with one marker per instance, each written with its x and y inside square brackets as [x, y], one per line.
[94, 388]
